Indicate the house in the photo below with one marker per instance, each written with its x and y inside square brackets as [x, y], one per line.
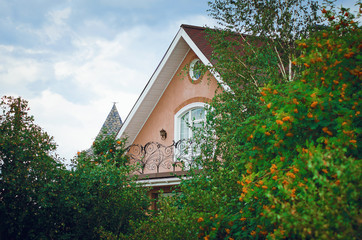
[175, 95]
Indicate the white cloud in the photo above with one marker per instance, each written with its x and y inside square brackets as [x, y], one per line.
[56, 26]
[17, 71]
[74, 126]
[58, 17]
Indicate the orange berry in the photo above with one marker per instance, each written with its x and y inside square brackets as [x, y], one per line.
[287, 118]
[250, 137]
[314, 104]
[289, 174]
[279, 122]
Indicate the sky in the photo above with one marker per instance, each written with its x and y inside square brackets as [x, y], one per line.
[71, 59]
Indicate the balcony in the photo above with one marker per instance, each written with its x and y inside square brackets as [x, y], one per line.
[158, 161]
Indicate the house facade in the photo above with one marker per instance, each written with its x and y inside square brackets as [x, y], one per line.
[157, 128]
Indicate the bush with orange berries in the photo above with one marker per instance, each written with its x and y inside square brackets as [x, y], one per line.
[300, 172]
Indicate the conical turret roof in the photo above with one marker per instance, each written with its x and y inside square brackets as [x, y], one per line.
[113, 123]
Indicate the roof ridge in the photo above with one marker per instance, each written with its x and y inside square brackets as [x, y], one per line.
[192, 26]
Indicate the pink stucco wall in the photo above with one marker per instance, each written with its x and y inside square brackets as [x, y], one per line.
[180, 92]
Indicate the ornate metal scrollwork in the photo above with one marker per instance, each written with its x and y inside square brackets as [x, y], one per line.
[154, 156]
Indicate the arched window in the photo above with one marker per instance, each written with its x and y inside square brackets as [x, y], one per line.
[187, 118]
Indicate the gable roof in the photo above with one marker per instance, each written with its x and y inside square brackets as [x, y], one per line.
[198, 36]
[187, 38]
[112, 124]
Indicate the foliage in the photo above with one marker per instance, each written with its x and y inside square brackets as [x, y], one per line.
[168, 222]
[27, 169]
[255, 48]
[104, 196]
[297, 160]
[40, 199]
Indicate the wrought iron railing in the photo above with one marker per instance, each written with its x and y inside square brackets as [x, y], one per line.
[154, 157]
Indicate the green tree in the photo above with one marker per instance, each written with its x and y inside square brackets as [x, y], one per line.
[41, 199]
[101, 197]
[26, 167]
[297, 161]
[254, 47]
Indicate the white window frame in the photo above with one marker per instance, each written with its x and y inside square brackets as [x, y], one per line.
[181, 112]
[177, 120]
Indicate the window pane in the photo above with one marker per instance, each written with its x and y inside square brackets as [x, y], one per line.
[184, 129]
[198, 124]
[197, 114]
[197, 70]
